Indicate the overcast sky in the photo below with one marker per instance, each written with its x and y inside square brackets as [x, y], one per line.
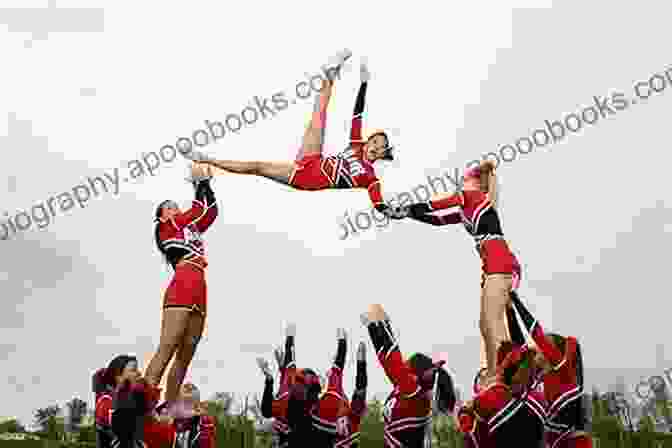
[589, 217]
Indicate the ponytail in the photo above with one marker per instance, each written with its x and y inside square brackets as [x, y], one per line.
[445, 392]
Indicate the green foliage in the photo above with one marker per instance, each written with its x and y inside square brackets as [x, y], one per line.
[86, 434]
[13, 426]
[237, 429]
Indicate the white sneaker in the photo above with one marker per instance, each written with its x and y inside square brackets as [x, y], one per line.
[197, 156]
[333, 67]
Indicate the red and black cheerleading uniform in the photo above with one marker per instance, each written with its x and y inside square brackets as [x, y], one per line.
[502, 417]
[348, 169]
[105, 437]
[276, 407]
[348, 431]
[335, 420]
[196, 432]
[182, 242]
[408, 409]
[563, 386]
[329, 422]
[474, 210]
[123, 418]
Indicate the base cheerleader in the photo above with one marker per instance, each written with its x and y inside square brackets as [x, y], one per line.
[418, 384]
[125, 408]
[562, 378]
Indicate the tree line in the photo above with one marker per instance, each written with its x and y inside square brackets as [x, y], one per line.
[616, 423]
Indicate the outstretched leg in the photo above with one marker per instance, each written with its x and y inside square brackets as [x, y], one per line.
[277, 171]
[313, 138]
[313, 141]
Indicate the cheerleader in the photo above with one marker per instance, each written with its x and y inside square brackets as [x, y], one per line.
[475, 208]
[193, 427]
[336, 420]
[125, 404]
[562, 377]
[408, 408]
[508, 412]
[178, 236]
[330, 419]
[275, 407]
[312, 170]
[350, 420]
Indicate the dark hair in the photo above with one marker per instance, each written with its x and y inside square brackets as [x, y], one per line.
[445, 393]
[105, 379]
[313, 387]
[157, 228]
[388, 149]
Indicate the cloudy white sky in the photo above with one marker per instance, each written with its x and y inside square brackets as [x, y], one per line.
[589, 217]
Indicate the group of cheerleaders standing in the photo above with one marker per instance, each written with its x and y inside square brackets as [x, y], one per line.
[528, 392]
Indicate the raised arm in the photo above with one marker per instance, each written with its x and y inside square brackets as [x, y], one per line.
[358, 114]
[203, 211]
[335, 374]
[516, 333]
[387, 351]
[267, 396]
[358, 402]
[550, 352]
[289, 360]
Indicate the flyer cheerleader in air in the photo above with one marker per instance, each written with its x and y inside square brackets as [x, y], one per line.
[314, 170]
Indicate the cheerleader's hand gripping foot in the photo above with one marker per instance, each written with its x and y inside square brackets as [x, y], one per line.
[376, 313]
[199, 173]
[398, 212]
[196, 156]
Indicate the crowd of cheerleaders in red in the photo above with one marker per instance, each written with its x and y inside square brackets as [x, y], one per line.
[529, 390]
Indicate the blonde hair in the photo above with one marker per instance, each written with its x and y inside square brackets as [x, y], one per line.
[489, 181]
